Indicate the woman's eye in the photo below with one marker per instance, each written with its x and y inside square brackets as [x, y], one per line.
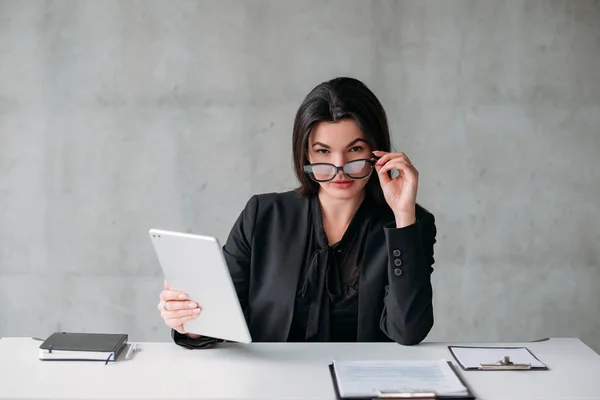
[356, 148]
[322, 151]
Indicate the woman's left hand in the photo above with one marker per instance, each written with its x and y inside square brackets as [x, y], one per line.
[401, 192]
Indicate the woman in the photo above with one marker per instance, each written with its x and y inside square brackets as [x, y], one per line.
[346, 257]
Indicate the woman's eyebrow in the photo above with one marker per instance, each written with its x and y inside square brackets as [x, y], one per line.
[352, 143]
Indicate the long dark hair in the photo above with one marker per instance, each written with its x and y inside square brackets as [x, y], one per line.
[332, 101]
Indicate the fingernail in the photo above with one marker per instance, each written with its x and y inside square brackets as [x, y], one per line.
[182, 297]
[192, 304]
[196, 311]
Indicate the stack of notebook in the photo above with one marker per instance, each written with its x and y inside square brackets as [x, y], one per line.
[83, 346]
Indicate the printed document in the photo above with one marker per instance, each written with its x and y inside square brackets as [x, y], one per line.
[373, 378]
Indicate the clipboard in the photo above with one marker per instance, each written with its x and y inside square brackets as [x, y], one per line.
[405, 395]
[500, 365]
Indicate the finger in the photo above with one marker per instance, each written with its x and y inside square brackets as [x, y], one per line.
[169, 315]
[166, 295]
[408, 170]
[165, 285]
[398, 164]
[174, 305]
[183, 320]
[180, 329]
[385, 157]
[390, 155]
[384, 178]
[395, 163]
[404, 156]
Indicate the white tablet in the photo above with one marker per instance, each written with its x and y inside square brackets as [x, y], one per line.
[195, 265]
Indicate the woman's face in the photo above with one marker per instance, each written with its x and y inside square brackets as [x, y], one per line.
[338, 143]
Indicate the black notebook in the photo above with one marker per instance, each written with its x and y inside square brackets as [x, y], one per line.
[83, 346]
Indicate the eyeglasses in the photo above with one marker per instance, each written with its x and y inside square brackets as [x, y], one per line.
[355, 169]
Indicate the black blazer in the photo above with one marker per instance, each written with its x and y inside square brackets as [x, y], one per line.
[265, 255]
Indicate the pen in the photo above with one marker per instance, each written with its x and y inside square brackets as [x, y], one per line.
[130, 351]
[505, 363]
[407, 395]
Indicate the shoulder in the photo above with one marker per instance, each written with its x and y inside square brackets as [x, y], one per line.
[282, 214]
[265, 211]
[288, 202]
[290, 198]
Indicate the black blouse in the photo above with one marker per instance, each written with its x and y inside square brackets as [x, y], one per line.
[326, 306]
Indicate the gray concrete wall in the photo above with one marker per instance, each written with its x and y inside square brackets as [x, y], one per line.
[119, 116]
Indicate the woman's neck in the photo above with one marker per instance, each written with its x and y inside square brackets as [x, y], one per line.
[337, 214]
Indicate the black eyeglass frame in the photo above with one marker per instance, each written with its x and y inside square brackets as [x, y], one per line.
[308, 169]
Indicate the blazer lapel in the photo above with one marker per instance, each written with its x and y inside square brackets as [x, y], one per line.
[372, 283]
[289, 257]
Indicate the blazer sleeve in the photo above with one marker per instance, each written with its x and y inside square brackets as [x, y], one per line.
[237, 252]
[407, 315]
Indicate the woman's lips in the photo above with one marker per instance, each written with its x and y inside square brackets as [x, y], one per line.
[342, 184]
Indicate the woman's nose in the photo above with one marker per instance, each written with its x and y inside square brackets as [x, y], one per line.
[339, 161]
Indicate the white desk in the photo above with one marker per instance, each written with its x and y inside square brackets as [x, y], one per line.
[274, 371]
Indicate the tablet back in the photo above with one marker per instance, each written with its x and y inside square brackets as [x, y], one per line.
[195, 265]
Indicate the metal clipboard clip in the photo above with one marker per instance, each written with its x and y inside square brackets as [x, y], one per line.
[504, 364]
[406, 395]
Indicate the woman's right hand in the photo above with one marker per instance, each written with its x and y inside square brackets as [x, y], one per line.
[176, 309]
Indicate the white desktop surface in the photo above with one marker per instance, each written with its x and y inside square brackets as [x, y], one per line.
[275, 371]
